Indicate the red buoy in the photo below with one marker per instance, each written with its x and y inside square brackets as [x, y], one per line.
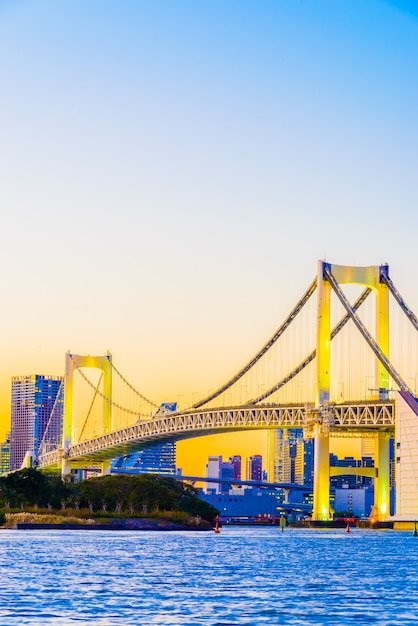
[216, 529]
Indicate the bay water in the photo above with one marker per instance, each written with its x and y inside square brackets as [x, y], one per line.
[244, 575]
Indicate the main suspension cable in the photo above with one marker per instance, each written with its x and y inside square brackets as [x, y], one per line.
[343, 321]
[264, 349]
[395, 293]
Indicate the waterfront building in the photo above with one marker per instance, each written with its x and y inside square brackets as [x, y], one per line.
[227, 473]
[213, 470]
[368, 447]
[216, 468]
[37, 403]
[356, 502]
[348, 480]
[244, 502]
[159, 459]
[5, 455]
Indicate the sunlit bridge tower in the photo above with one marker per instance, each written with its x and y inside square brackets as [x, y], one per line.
[33, 402]
[329, 278]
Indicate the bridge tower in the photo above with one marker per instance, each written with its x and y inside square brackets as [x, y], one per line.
[371, 277]
[73, 362]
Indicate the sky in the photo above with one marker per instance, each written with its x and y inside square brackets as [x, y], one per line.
[171, 172]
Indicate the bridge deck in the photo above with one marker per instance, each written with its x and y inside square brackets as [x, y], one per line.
[358, 419]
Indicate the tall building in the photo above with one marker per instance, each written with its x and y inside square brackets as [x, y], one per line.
[37, 403]
[304, 461]
[221, 470]
[236, 463]
[290, 456]
[255, 467]
[213, 470]
[159, 459]
[5, 455]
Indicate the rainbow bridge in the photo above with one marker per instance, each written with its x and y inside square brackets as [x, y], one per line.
[287, 384]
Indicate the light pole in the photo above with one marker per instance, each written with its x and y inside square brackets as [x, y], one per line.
[341, 382]
[368, 388]
[300, 386]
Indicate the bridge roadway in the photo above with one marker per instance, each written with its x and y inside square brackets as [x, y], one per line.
[350, 419]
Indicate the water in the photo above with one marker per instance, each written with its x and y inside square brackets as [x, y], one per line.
[241, 576]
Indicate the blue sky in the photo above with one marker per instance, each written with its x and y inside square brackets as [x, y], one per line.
[170, 173]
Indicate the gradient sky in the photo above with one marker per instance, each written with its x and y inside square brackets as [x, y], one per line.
[171, 171]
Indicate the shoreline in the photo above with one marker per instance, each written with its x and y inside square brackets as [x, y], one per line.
[117, 527]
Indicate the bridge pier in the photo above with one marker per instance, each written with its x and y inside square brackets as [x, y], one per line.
[286, 493]
[382, 482]
[105, 468]
[321, 491]
[65, 467]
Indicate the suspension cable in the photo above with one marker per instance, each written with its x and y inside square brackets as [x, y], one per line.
[91, 406]
[363, 330]
[409, 314]
[105, 398]
[131, 387]
[264, 349]
[343, 321]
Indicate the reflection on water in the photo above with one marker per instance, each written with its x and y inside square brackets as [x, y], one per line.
[241, 576]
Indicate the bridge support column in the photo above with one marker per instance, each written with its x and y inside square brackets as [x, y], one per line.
[286, 492]
[105, 468]
[382, 335]
[323, 339]
[65, 467]
[382, 482]
[321, 475]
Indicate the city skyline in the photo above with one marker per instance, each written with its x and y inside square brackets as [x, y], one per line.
[172, 173]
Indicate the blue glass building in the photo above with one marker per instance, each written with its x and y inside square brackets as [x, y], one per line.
[37, 405]
[158, 459]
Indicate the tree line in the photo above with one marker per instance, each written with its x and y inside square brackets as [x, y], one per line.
[122, 495]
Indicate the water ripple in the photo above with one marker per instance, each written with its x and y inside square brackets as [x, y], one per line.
[241, 577]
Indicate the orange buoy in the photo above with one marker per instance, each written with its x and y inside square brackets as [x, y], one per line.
[347, 529]
[216, 529]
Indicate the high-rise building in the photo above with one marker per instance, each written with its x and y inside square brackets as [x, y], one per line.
[37, 403]
[236, 463]
[220, 470]
[304, 461]
[213, 470]
[5, 455]
[159, 459]
[255, 467]
[290, 456]
[368, 447]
